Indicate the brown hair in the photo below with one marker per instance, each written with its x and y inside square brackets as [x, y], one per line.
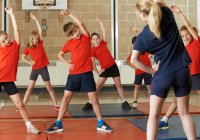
[69, 27]
[154, 13]
[33, 33]
[94, 34]
[183, 28]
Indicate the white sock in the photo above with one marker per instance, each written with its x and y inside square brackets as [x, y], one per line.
[164, 119]
[123, 101]
[89, 102]
[28, 124]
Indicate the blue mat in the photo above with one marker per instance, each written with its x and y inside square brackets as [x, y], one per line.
[108, 110]
[175, 131]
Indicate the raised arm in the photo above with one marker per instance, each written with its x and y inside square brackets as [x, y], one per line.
[77, 20]
[161, 3]
[190, 28]
[134, 30]
[102, 28]
[9, 10]
[38, 25]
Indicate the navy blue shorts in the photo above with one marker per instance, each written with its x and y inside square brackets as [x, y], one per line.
[9, 87]
[81, 82]
[180, 81]
[195, 82]
[112, 71]
[139, 77]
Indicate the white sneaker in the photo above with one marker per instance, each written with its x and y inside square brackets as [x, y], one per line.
[33, 130]
[135, 105]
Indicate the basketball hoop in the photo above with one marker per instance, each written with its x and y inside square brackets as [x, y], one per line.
[44, 4]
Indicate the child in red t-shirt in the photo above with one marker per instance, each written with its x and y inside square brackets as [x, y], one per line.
[191, 40]
[140, 75]
[9, 57]
[108, 66]
[39, 63]
[80, 76]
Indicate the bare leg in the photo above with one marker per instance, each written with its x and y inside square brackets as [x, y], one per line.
[149, 91]
[186, 119]
[64, 104]
[95, 103]
[198, 92]
[28, 91]
[19, 104]
[172, 108]
[51, 91]
[136, 92]
[156, 104]
[119, 87]
[101, 81]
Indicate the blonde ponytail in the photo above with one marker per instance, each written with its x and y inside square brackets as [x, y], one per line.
[154, 13]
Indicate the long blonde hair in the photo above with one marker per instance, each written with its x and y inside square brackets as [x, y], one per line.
[154, 13]
[33, 33]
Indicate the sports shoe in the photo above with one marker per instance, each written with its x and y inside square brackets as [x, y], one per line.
[54, 128]
[56, 107]
[87, 107]
[135, 105]
[163, 125]
[33, 130]
[104, 127]
[125, 105]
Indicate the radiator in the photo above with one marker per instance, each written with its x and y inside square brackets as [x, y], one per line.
[58, 74]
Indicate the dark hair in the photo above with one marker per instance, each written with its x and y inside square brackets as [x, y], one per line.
[134, 39]
[94, 34]
[69, 27]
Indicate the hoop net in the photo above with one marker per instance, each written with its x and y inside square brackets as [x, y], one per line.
[44, 4]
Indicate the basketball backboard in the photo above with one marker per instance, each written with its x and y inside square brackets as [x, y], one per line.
[31, 5]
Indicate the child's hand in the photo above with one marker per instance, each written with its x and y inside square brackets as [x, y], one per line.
[155, 67]
[134, 29]
[176, 9]
[70, 66]
[102, 70]
[33, 62]
[64, 12]
[9, 10]
[33, 16]
[98, 19]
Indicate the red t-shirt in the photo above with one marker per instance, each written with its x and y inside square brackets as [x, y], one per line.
[9, 57]
[80, 50]
[102, 53]
[38, 55]
[143, 58]
[193, 49]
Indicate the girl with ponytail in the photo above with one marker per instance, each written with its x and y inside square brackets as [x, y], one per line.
[161, 38]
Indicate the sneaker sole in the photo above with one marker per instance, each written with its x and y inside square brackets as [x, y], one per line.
[99, 129]
[56, 131]
[35, 133]
[163, 128]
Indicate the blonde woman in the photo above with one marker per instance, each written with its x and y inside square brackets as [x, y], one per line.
[161, 37]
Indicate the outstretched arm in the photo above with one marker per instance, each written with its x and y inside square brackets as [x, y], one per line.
[178, 11]
[38, 25]
[77, 20]
[102, 28]
[9, 10]
[161, 3]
